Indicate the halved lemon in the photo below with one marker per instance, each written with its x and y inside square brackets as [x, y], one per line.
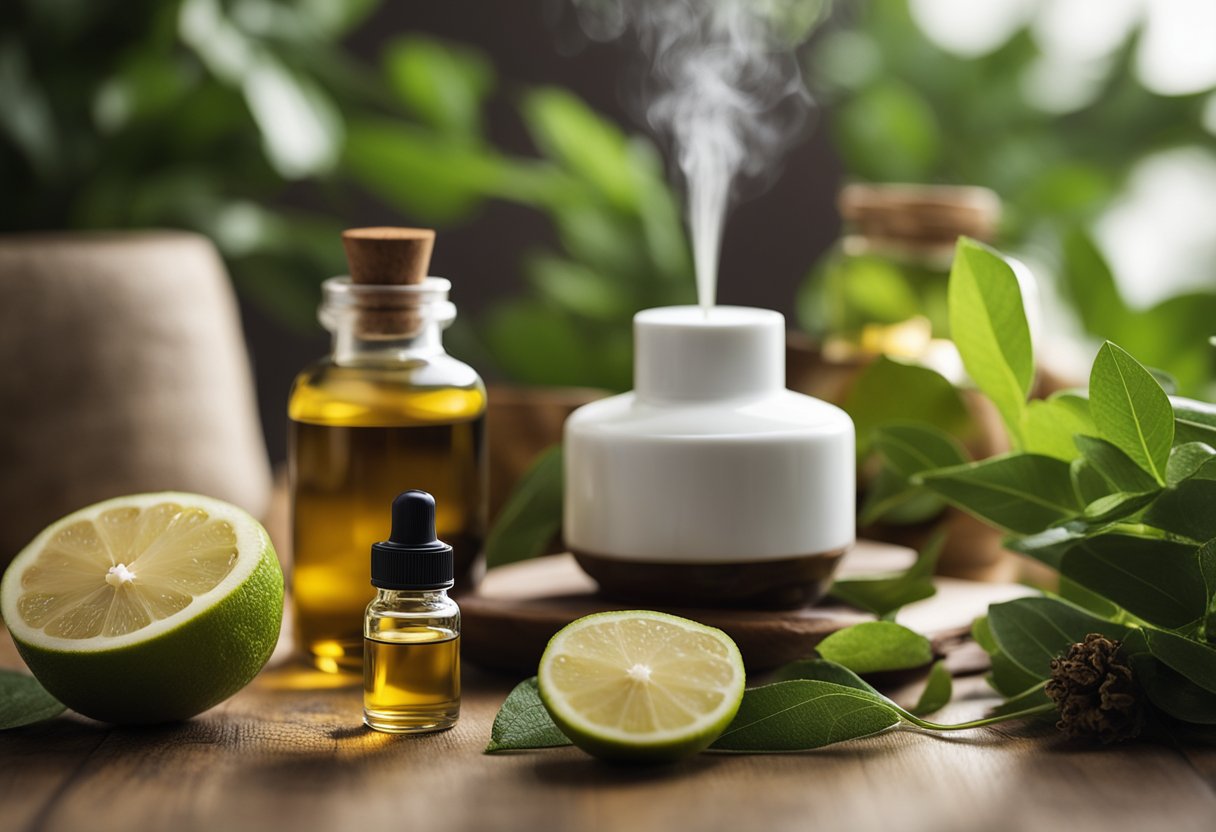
[147, 608]
[641, 685]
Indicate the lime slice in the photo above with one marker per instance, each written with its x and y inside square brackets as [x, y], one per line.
[146, 608]
[641, 685]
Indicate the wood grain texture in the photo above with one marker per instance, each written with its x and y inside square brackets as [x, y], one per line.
[285, 754]
[511, 616]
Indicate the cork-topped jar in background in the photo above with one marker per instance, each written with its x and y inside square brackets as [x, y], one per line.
[882, 288]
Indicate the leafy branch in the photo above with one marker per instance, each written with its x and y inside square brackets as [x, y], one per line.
[1124, 515]
[810, 704]
[1121, 510]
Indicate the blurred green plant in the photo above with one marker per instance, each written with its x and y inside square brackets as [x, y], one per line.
[905, 110]
[621, 244]
[182, 113]
[200, 113]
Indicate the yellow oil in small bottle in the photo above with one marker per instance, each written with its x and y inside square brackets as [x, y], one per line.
[411, 680]
[411, 629]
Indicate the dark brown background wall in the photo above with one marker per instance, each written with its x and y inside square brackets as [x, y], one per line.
[771, 240]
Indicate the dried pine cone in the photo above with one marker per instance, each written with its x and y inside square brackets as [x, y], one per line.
[1095, 693]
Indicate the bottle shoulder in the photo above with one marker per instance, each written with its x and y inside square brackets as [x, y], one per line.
[436, 389]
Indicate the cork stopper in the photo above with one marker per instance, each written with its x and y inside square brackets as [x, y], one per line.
[920, 217]
[388, 257]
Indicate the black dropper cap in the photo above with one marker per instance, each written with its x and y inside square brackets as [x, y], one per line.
[412, 557]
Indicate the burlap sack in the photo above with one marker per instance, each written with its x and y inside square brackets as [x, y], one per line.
[124, 370]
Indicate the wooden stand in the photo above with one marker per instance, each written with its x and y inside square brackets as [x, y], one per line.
[510, 617]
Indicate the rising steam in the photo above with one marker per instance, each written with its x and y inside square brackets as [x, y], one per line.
[725, 89]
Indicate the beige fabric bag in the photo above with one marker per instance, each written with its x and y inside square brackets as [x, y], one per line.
[124, 370]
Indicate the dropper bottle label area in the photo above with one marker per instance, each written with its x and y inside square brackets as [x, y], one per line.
[411, 646]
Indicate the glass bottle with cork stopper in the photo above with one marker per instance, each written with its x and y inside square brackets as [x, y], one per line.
[882, 288]
[387, 408]
[411, 631]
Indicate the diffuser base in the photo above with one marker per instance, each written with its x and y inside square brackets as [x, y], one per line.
[783, 584]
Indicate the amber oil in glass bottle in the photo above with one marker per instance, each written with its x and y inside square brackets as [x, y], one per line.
[411, 632]
[388, 408]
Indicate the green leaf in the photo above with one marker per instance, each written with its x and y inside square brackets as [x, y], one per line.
[535, 346]
[1033, 631]
[875, 646]
[1088, 280]
[335, 19]
[1195, 661]
[1168, 383]
[821, 670]
[1169, 335]
[522, 722]
[888, 391]
[23, 701]
[1116, 467]
[532, 515]
[801, 715]
[885, 594]
[1157, 580]
[1172, 692]
[1194, 421]
[911, 448]
[1117, 506]
[442, 84]
[1051, 425]
[1086, 599]
[420, 172]
[1131, 410]
[938, 690]
[299, 122]
[579, 289]
[1206, 556]
[907, 449]
[1050, 546]
[1187, 509]
[1087, 482]
[1191, 459]
[889, 133]
[1005, 677]
[608, 240]
[1023, 493]
[586, 144]
[890, 498]
[988, 325]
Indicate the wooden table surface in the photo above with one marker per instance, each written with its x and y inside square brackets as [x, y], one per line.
[286, 754]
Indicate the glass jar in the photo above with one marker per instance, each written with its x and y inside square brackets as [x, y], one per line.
[388, 410]
[882, 289]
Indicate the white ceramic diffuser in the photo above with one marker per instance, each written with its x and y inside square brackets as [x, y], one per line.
[710, 483]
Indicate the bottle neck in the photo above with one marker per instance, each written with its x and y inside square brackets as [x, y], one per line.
[386, 324]
[349, 347]
[412, 597]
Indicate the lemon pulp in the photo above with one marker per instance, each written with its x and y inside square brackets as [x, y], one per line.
[641, 681]
[124, 569]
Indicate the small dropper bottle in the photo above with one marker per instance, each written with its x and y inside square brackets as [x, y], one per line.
[411, 633]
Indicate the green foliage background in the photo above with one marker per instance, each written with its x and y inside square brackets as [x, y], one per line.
[204, 114]
[904, 110]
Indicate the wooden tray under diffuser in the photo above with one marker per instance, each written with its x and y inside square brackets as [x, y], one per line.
[510, 617]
